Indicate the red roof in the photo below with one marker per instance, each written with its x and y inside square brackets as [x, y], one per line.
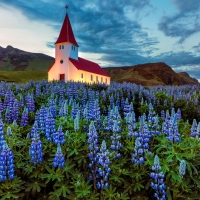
[86, 65]
[66, 33]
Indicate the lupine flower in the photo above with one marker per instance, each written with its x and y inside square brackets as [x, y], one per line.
[15, 112]
[34, 128]
[6, 163]
[182, 168]
[193, 129]
[2, 139]
[59, 137]
[158, 185]
[115, 144]
[24, 119]
[173, 134]
[178, 114]
[14, 123]
[103, 170]
[143, 133]
[35, 150]
[9, 131]
[8, 114]
[1, 106]
[75, 109]
[59, 160]
[76, 122]
[126, 108]
[93, 150]
[138, 155]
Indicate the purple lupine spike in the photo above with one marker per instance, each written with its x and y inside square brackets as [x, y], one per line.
[158, 185]
[59, 160]
[138, 155]
[115, 138]
[103, 170]
[193, 129]
[93, 150]
[24, 119]
[6, 163]
[173, 134]
[2, 139]
[58, 136]
[35, 150]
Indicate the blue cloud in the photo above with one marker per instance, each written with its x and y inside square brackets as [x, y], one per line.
[196, 48]
[183, 24]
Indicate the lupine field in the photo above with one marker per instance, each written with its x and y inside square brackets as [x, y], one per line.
[76, 141]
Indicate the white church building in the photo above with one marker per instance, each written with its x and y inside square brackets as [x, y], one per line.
[68, 66]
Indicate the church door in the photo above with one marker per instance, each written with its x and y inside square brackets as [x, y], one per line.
[62, 77]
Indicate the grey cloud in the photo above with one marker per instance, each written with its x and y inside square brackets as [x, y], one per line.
[185, 23]
[196, 48]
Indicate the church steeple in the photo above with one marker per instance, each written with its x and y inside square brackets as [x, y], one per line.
[66, 33]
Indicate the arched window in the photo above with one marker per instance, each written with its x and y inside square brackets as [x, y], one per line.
[62, 46]
[91, 78]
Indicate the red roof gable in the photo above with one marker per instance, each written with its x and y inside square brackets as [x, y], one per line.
[66, 33]
[86, 65]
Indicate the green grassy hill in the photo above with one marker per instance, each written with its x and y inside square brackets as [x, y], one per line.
[22, 76]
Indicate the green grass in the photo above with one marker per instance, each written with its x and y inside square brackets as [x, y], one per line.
[40, 65]
[23, 76]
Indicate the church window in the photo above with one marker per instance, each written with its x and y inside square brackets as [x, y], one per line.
[106, 80]
[97, 78]
[81, 75]
[101, 79]
[62, 46]
[61, 61]
[91, 77]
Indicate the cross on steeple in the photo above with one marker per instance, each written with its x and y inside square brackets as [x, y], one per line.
[67, 7]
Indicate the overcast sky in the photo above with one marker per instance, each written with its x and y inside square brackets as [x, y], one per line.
[111, 33]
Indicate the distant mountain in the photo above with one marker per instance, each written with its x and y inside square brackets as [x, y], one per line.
[13, 59]
[149, 74]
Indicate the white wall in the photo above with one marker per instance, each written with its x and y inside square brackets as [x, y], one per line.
[67, 68]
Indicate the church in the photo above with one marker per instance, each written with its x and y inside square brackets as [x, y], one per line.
[68, 66]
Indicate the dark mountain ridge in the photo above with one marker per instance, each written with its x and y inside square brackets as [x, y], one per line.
[13, 59]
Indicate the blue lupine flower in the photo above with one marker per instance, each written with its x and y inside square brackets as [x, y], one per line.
[34, 128]
[24, 119]
[138, 155]
[103, 170]
[158, 185]
[76, 122]
[59, 160]
[93, 150]
[6, 163]
[182, 168]
[173, 134]
[2, 139]
[193, 130]
[35, 150]
[115, 144]
[8, 114]
[1, 106]
[59, 136]
[9, 131]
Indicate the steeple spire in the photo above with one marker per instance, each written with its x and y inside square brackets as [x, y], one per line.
[66, 33]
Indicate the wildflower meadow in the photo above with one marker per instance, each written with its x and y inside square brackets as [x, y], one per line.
[77, 141]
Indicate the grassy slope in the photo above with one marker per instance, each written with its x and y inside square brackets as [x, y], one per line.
[23, 76]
